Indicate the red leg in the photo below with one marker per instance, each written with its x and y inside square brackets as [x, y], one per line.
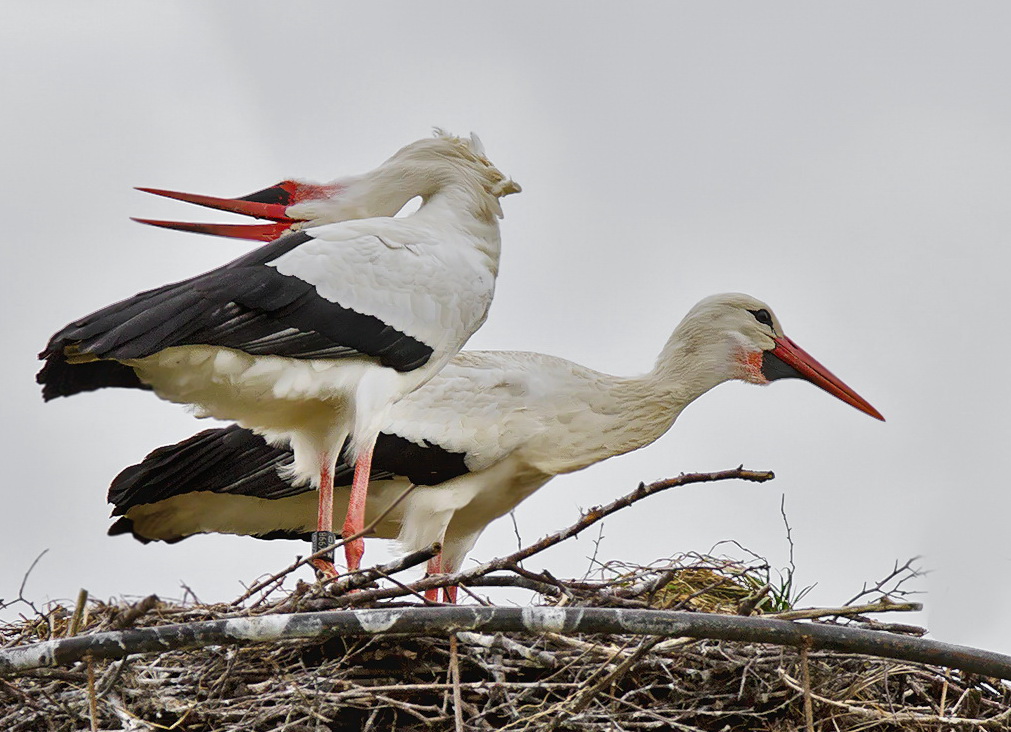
[355, 521]
[448, 593]
[434, 567]
[324, 519]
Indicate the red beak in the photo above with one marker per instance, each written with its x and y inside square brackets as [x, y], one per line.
[788, 359]
[270, 203]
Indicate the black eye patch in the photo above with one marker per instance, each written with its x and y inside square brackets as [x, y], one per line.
[762, 316]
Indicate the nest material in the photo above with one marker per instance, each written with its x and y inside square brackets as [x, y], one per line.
[480, 681]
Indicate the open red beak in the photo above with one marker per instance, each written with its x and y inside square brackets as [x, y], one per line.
[788, 359]
[270, 203]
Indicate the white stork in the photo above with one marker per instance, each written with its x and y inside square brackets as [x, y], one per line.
[486, 432]
[311, 338]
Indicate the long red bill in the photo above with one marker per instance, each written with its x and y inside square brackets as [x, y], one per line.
[788, 359]
[256, 232]
[270, 203]
[255, 208]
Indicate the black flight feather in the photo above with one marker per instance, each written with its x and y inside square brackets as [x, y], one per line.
[236, 461]
[246, 305]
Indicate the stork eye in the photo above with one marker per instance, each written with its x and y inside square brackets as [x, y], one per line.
[762, 316]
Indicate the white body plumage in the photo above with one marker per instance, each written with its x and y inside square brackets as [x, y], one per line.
[516, 419]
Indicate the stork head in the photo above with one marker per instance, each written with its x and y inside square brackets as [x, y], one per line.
[741, 338]
[415, 170]
[445, 160]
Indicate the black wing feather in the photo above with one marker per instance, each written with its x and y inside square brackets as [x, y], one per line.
[227, 460]
[236, 461]
[245, 305]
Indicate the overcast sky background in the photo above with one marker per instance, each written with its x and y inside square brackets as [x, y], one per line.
[849, 163]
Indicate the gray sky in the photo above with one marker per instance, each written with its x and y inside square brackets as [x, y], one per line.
[846, 162]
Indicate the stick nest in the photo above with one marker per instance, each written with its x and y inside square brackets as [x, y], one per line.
[500, 681]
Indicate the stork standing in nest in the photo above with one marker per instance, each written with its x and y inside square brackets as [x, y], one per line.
[312, 338]
[480, 437]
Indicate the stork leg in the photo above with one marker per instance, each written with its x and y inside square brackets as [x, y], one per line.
[324, 535]
[434, 567]
[355, 521]
[448, 593]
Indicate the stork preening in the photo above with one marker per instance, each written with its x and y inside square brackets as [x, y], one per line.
[311, 338]
[482, 435]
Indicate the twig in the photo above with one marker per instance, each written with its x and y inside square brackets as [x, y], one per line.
[136, 612]
[508, 580]
[596, 514]
[871, 624]
[92, 699]
[24, 580]
[592, 559]
[540, 658]
[516, 529]
[78, 616]
[408, 589]
[21, 590]
[454, 672]
[473, 596]
[822, 612]
[789, 532]
[109, 678]
[748, 604]
[649, 587]
[805, 672]
[908, 568]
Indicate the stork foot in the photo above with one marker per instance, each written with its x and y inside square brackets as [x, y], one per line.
[353, 553]
[324, 569]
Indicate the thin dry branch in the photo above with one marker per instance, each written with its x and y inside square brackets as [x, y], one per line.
[899, 575]
[587, 519]
[847, 611]
[78, 616]
[21, 590]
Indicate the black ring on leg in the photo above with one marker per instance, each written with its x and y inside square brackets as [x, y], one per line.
[321, 540]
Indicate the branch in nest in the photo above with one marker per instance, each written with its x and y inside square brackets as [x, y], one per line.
[444, 620]
[848, 610]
